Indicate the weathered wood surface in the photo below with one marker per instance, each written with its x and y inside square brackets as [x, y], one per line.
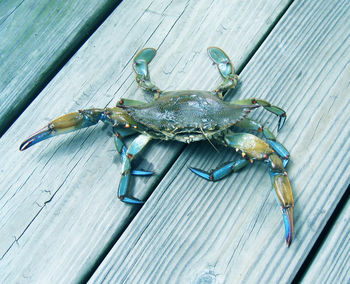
[59, 209]
[331, 264]
[36, 37]
[193, 231]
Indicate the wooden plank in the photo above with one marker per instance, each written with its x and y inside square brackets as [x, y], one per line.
[35, 38]
[331, 264]
[59, 210]
[194, 231]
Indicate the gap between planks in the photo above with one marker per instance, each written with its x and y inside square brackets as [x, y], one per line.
[46, 60]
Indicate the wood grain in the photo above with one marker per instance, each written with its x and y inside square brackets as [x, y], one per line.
[231, 231]
[331, 263]
[35, 38]
[59, 209]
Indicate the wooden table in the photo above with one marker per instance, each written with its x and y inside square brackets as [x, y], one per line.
[60, 218]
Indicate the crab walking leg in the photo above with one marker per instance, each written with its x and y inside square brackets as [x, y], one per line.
[249, 124]
[121, 133]
[140, 65]
[225, 67]
[129, 102]
[280, 150]
[257, 149]
[221, 171]
[266, 105]
[136, 146]
[66, 123]
[283, 193]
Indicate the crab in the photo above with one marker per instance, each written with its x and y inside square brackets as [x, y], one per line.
[188, 116]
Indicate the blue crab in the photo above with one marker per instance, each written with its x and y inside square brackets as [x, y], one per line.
[188, 116]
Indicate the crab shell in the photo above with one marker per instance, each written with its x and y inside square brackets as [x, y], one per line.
[186, 116]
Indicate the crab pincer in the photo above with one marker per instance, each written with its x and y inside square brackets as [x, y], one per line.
[284, 195]
[64, 124]
[257, 149]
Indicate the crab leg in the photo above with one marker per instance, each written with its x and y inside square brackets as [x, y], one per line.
[255, 148]
[283, 193]
[221, 171]
[280, 150]
[136, 146]
[266, 105]
[121, 133]
[140, 65]
[249, 124]
[225, 67]
[66, 123]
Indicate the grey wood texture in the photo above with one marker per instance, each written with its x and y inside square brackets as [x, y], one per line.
[332, 262]
[231, 231]
[35, 37]
[59, 208]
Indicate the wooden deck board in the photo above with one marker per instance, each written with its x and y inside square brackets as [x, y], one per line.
[59, 210]
[35, 38]
[331, 263]
[193, 231]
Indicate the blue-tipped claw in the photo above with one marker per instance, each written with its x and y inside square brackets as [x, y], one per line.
[287, 214]
[64, 124]
[41, 135]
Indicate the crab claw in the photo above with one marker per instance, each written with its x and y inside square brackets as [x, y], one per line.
[64, 124]
[287, 214]
[38, 136]
[284, 196]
